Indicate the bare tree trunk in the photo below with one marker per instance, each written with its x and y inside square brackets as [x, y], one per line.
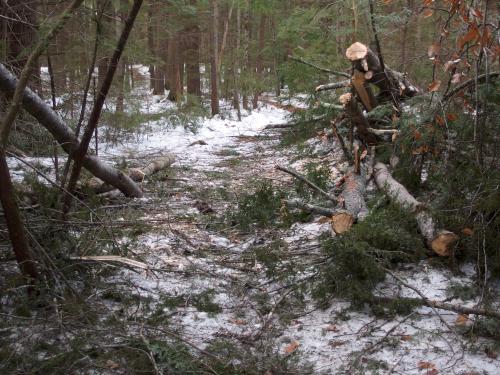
[11, 211]
[192, 42]
[15, 224]
[246, 53]
[214, 29]
[236, 64]
[174, 69]
[224, 36]
[22, 36]
[151, 45]
[80, 152]
[259, 64]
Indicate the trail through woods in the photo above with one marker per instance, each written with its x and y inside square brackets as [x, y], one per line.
[206, 281]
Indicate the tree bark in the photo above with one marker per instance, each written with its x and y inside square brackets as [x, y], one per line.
[65, 136]
[440, 241]
[214, 77]
[15, 224]
[192, 42]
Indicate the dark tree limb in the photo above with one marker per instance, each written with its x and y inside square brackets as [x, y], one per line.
[297, 203]
[321, 69]
[81, 151]
[307, 182]
[468, 83]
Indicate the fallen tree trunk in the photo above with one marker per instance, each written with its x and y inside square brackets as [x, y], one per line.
[65, 136]
[459, 309]
[440, 241]
[393, 85]
[135, 174]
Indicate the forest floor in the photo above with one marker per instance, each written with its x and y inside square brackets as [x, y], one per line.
[219, 288]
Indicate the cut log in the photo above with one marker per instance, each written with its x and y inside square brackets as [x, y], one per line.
[393, 85]
[65, 136]
[440, 241]
[135, 174]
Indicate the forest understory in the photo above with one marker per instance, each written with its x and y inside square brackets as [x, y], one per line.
[249, 187]
[209, 272]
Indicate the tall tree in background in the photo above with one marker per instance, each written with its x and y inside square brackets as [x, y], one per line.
[214, 38]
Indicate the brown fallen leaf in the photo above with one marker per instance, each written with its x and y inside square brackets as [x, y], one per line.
[292, 347]
[239, 322]
[422, 365]
[461, 320]
[332, 328]
[335, 344]
[111, 364]
[405, 337]
[434, 86]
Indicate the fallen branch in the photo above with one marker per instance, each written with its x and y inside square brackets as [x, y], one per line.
[302, 61]
[333, 85]
[135, 174]
[424, 298]
[341, 140]
[442, 241]
[297, 203]
[470, 82]
[307, 182]
[292, 124]
[440, 305]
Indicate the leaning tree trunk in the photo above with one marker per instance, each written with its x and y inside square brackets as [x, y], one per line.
[440, 241]
[79, 154]
[65, 136]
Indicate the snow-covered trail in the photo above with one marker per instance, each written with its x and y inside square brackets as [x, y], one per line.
[197, 260]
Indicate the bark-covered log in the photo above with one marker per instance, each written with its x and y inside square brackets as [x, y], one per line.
[65, 136]
[135, 174]
[392, 84]
[440, 241]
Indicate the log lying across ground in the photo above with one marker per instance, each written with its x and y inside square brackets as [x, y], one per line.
[49, 119]
[135, 174]
[440, 241]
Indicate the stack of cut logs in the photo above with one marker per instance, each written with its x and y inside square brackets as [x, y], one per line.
[393, 87]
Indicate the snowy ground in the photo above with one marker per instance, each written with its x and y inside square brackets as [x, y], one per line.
[187, 257]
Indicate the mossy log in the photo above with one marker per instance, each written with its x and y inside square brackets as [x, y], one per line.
[440, 241]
